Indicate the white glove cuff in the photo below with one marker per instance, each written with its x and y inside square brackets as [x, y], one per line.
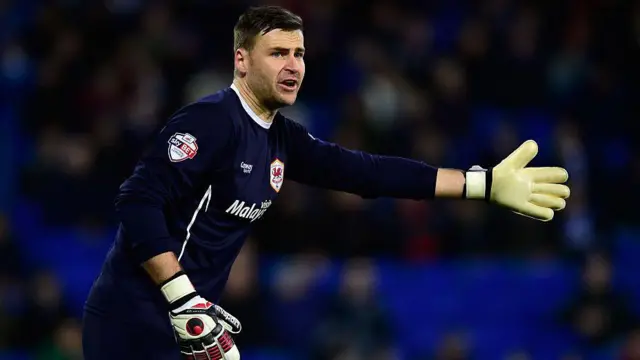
[177, 288]
[476, 183]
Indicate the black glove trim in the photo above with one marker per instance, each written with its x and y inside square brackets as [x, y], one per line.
[488, 181]
[487, 191]
[182, 300]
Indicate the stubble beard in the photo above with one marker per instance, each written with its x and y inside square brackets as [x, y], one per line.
[265, 92]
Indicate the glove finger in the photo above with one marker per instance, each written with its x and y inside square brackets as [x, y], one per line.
[228, 321]
[535, 212]
[548, 201]
[551, 175]
[229, 327]
[232, 354]
[521, 156]
[557, 190]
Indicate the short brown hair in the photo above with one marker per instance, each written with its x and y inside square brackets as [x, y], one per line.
[260, 20]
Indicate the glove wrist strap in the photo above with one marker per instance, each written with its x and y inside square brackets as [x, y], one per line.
[477, 184]
[178, 289]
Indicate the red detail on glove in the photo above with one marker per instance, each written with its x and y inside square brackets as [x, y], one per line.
[214, 353]
[197, 330]
[195, 326]
[226, 341]
[206, 305]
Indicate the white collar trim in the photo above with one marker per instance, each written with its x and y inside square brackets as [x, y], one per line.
[250, 112]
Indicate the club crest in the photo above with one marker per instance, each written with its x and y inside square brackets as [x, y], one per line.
[276, 174]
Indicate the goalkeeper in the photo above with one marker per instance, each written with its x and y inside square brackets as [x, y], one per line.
[215, 169]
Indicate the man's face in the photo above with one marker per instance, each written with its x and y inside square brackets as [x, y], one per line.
[275, 67]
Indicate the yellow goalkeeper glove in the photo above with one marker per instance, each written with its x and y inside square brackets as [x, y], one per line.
[535, 192]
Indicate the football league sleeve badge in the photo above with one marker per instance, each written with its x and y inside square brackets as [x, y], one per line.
[182, 147]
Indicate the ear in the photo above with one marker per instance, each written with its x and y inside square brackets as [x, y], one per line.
[241, 61]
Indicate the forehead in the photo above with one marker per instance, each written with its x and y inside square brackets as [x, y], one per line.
[281, 39]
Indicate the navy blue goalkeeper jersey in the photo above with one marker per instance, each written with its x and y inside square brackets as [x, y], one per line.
[210, 174]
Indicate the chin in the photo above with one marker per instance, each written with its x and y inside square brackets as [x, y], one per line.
[287, 99]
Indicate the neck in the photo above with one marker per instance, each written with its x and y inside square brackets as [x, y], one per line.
[252, 100]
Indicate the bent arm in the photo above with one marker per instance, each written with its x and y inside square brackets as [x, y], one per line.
[173, 169]
[162, 267]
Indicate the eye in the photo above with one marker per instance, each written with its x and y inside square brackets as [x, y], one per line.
[299, 55]
[279, 54]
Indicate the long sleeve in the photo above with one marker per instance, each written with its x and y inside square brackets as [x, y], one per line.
[174, 168]
[326, 165]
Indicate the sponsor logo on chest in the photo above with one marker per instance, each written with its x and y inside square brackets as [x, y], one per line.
[251, 212]
[254, 211]
[246, 168]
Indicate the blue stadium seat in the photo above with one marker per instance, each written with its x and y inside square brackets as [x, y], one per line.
[625, 258]
[484, 121]
[502, 305]
[615, 154]
[538, 125]
[627, 246]
[75, 257]
[493, 341]
[551, 342]
[265, 354]
[446, 25]
[15, 355]
[607, 352]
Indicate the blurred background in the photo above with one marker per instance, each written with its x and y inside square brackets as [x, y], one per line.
[329, 276]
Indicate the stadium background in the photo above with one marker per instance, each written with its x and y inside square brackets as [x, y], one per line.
[84, 84]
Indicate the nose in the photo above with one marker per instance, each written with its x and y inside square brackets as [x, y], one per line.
[293, 65]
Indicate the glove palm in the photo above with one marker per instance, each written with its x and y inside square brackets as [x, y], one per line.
[535, 192]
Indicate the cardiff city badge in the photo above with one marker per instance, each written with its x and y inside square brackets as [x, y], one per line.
[276, 174]
[182, 147]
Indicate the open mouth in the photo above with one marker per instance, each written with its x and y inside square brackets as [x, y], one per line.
[289, 84]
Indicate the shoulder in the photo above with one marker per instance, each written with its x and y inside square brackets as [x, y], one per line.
[211, 114]
[204, 126]
[295, 131]
[289, 126]
[222, 99]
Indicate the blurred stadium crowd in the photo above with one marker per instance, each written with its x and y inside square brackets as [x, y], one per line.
[329, 276]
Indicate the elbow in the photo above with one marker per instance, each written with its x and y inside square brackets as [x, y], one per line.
[143, 225]
[141, 190]
[138, 191]
[130, 204]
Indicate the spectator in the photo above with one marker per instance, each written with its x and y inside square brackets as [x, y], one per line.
[45, 307]
[599, 313]
[66, 343]
[454, 346]
[355, 325]
[631, 347]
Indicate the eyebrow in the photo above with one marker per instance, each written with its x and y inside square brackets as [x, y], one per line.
[280, 48]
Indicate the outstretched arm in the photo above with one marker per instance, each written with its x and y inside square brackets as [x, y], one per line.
[327, 165]
[533, 192]
[450, 183]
